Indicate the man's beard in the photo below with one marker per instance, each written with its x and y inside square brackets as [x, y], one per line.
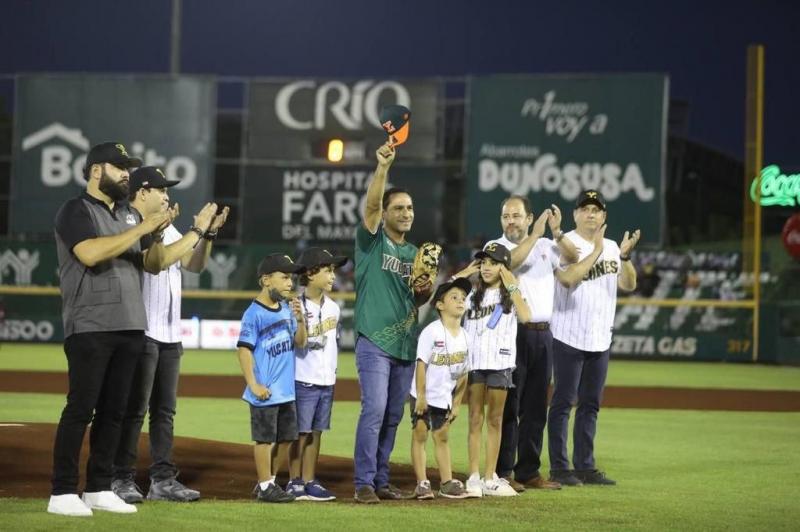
[515, 235]
[117, 191]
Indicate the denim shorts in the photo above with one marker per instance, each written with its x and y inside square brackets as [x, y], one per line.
[314, 404]
[492, 378]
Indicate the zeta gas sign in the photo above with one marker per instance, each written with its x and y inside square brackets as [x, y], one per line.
[776, 188]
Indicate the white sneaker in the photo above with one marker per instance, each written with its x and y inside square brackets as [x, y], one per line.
[108, 502]
[498, 487]
[474, 486]
[69, 504]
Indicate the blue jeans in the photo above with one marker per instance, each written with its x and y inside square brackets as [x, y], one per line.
[578, 376]
[385, 383]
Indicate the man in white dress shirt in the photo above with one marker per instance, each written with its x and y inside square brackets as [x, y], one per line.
[533, 260]
[155, 384]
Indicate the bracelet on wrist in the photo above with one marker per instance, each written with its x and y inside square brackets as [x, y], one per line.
[558, 235]
[210, 235]
[158, 236]
[197, 230]
[624, 258]
[512, 288]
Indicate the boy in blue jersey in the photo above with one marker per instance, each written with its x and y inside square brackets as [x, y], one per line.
[272, 326]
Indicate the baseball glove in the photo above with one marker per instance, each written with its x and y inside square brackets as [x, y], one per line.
[426, 264]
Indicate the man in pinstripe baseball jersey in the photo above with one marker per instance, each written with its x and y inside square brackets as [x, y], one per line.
[583, 317]
[156, 379]
[533, 259]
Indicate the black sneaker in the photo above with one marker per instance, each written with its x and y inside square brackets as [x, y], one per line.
[366, 495]
[565, 477]
[273, 493]
[595, 476]
[392, 493]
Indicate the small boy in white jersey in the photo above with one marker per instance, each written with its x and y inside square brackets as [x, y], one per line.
[315, 372]
[440, 380]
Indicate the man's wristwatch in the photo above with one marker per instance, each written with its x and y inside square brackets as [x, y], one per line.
[558, 235]
[210, 235]
[511, 289]
[158, 236]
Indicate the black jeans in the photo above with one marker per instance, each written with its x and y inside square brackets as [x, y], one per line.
[579, 376]
[525, 413]
[101, 367]
[155, 385]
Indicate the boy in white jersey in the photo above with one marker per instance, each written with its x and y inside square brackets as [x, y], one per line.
[440, 380]
[315, 372]
[491, 324]
[583, 318]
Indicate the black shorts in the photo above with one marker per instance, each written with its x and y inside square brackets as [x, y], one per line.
[271, 424]
[492, 378]
[434, 417]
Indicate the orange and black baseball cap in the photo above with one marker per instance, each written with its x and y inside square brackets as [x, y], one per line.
[395, 120]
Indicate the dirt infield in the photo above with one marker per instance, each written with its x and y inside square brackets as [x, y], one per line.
[219, 470]
[347, 390]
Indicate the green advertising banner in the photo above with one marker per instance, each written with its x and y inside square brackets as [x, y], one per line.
[550, 137]
[323, 204]
[168, 123]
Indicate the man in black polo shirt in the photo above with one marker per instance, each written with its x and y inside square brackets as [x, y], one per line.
[100, 263]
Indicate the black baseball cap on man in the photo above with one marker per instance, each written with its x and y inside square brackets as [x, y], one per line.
[459, 282]
[278, 263]
[591, 196]
[149, 177]
[112, 153]
[497, 252]
[313, 257]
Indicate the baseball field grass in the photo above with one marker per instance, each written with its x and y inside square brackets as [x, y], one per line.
[50, 357]
[677, 470]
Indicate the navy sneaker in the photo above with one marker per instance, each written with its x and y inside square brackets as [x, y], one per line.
[317, 492]
[565, 477]
[297, 487]
[594, 476]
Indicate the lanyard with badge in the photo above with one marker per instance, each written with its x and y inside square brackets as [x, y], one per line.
[318, 343]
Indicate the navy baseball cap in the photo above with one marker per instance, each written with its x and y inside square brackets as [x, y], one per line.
[497, 252]
[459, 282]
[112, 153]
[395, 120]
[278, 263]
[591, 196]
[149, 177]
[313, 257]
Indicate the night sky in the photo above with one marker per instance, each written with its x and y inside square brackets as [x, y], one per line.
[700, 45]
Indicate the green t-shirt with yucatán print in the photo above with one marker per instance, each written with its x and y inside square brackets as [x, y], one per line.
[385, 310]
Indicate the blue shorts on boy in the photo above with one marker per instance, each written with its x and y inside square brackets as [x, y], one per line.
[315, 365]
[269, 335]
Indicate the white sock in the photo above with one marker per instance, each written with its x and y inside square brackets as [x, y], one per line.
[264, 485]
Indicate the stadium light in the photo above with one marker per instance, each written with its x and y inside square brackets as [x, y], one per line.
[335, 150]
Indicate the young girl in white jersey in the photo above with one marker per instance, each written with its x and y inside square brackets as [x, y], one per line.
[491, 324]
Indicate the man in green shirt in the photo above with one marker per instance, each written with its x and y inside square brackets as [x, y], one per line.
[386, 324]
